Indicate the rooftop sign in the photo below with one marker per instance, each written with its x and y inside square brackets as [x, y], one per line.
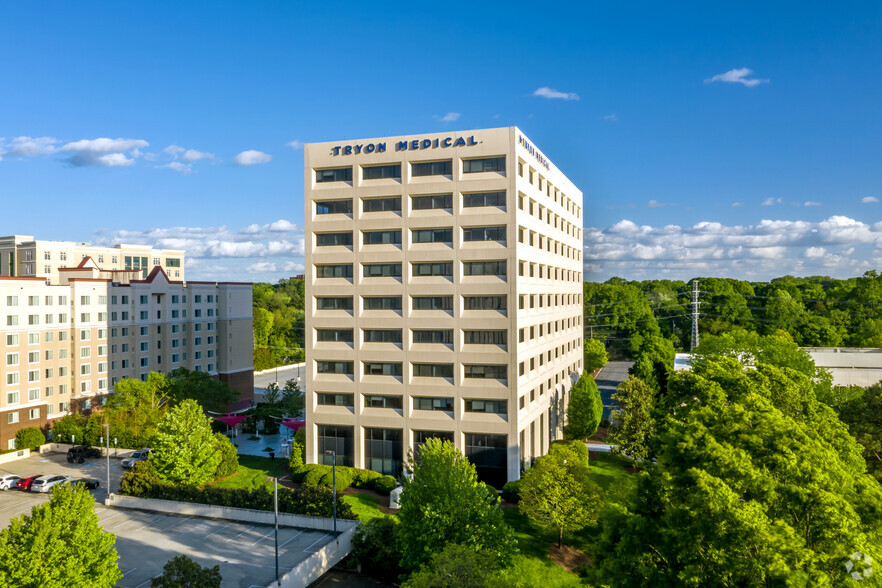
[414, 145]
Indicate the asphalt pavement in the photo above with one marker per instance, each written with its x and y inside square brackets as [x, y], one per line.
[608, 379]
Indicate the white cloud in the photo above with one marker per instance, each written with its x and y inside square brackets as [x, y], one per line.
[450, 117]
[191, 155]
[815, 252]
[771, 201]
[294, 145]
[610, 118]
[812, 203]
[869, 199]
[737, 204]
[737, 76]
[103, 152]
[29, 146]
[551, 93]
[261, 267]
[252, 157]
[184, 168]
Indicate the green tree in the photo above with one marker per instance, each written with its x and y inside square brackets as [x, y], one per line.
[59, 544]
[135, 408]
[456, 566]
[211, 394]
[185, 452]
[29, 438]
[69, 428]
[375, 547]
[229, 462]
[862, 413]
[584, 410]
[595, 355]
[557, 491]
[632, 426]
[182, 572]
[443, 502]
[292, 399]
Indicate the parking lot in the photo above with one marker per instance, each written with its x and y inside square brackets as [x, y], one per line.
[146, 540]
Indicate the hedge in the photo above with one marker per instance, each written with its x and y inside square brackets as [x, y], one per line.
[322, 475]
[511, 492]
[29, 438]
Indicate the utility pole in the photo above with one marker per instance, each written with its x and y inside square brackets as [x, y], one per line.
[276, 509]
[695, 304]
[107, 428]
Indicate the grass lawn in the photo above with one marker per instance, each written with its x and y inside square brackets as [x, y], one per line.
[253, 472]
[608, 468]
[365, 506]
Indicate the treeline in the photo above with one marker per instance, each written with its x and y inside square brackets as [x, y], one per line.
[278, 323]
[816, 311]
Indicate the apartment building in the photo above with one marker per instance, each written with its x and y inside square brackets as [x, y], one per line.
[64, 346]
[443, 298]
[23, 256]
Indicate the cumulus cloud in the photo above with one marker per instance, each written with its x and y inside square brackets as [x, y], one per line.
[295, 145]
[252, 157]
[29, 146]
[838, 246]
[771, 201]
[552, 94]
[737, 76]
[811, 203]
[737, 204]
[450, 117]
[869, 199]
[103, 152]
[177, 166]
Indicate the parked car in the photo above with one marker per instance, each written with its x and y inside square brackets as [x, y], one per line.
[7, 481]
[89, 483]
[80, 453]
[135, 457]
[45, 483]
[25, 483]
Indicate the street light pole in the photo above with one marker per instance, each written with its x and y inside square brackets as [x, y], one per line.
[107, 430]
[333, 454]
[276, 507]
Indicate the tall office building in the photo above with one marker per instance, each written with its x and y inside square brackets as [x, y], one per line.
[443, 298]
[23, 256]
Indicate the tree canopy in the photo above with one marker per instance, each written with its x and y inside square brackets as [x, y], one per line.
[182, 572]
[185, 449]
[278, 323]
[585, 408]
[632, 424]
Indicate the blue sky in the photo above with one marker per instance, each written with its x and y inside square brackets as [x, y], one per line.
[731, 139]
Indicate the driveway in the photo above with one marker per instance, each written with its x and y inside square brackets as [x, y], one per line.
[608, 379]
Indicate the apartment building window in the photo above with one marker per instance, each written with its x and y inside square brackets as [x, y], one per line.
[48, 319]
[85, 369]
[488, 454]
[144, 300]
[12, 301]
[332, 239]
[175, 343]
[382, 401]
[378, 172]
[49, 391]
[336, 174]
[383, 450]
[332, 438]
[329, 399]
[334, 271]
[47, 255]
[487, 406]
[392, 204]
[485, 302]
[34, 413]
[430, 403]
[12, 359]
[29, 268]
[145, 345]
[174, 313]
[33, 394]
[33, 301]
[434, 201]
[33, 375]
[175, 358]
[145, 361]
[432, 168]
[12, 397]
[62, 371]
[382, 335]
[381, 237]
[442, 235]
[382, 302]
[11, 320]
[85, 387]
[47, 269]
[33, 338]
[494, 372]
[102, 367]
[334, 367]
[11, 418]
[444, 336]
[173, 262]
[483, 199]
[443, 269]
[334, 207]
[33, 319]
[433, 370]
[12, 339]
[85, 352]
[334, 335]
[333, 303]
[486, 164]
[485, 268]
[432, 302]
[382, 369]
[484, 234]
[376, 270]
[493, 337]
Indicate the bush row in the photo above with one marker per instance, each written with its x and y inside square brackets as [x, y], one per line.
[323, 476]
[309, 500]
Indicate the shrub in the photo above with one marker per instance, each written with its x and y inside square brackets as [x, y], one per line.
[323, 475]
[511, 492]
[229, 463]
[578, 446]
[365, 478]
[72, 425]
[181, 572]
[385, 484]
[29, 438]
[375, 547]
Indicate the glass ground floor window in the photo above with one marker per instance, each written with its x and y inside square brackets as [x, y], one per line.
[489, 454]
[383, 450]
[420, 437]
[337, 439]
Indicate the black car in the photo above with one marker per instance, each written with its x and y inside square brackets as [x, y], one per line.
[80, 453]
[89, 483]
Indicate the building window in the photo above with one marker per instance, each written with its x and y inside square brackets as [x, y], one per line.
[444, 336]
[12, 397]
[444, 269]
[172, 262]
[328, 399]
[382, 401]
[376, 270]
[432, 302]
[12, 359]
[334, 335]
[377, 172]
[485, 302]
[334, 303]
[331, 239]
[434, 201]
[33, 394]
[496, 372]
[382, 237]
[382, 302]
[33, 375]
[495, 337]
[382, 369]
[487, 164]
[444, 235]
[431, 168]
[433, 370]
[484, 234]
[337, 174]
[334, 207]
[429, 403]
[483, 199]
[334, 367]
[389, 204]
[332, 438]
[12, 339]
[488, 454]
[420, 437]
[11, 418]
[484, 268]
[382, 335]
[487, 406]
[334, 271]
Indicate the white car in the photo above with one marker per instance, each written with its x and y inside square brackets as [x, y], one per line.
[135, 458]
[45, 483]
[7, 481]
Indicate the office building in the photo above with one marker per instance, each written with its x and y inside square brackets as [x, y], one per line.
[443, 298]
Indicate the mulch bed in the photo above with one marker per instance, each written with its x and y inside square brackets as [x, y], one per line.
[567, 557]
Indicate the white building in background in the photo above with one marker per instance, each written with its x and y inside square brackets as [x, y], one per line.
[443, 298]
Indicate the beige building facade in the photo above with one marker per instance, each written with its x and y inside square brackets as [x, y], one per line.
[64, 346]
[23, 256]
[443, 298]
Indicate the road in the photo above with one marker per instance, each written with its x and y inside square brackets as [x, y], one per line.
[608, 379]
[280, 375]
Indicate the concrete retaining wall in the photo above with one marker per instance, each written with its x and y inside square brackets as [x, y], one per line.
[312, 568]
[20, 454]
[225, 512]
[63, 447]
[281, 367]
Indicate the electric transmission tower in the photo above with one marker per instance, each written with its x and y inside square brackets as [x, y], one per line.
[695, 304]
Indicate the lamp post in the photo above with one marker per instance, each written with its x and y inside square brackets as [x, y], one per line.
[333, 454]
[107, 429]
[276, 509]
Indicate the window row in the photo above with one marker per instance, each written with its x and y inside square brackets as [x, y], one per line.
[547, 356]
[443, 336]
[548, 244]
[12, 339]
[539, 181]
[419, 402]
[534, 332]
[418, 169]
[526, 301]
[417, 202]
[420, 370]
[550, 218]
[48, 300]
[393, 237]
[442, 269]
[417, 303]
